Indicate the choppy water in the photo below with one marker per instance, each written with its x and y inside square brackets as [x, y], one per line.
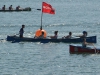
[52, 58]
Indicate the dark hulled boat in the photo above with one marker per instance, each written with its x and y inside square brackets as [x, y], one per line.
[91, 39]
[14, 10]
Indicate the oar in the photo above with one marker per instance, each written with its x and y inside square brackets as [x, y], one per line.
[36, 9]
[17, 34]
[2, 39]
[16, 41]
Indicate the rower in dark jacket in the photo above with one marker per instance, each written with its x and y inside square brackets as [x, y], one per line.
[10, 8]
[21, 31]
[3, 8]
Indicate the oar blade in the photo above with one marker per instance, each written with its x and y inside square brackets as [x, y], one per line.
[38, 9]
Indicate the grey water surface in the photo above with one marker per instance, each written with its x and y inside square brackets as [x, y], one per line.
[29, 58]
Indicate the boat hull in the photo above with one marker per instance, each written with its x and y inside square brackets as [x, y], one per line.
[80, 49]
[91, 39]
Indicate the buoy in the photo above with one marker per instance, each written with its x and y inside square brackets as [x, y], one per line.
[39, 32]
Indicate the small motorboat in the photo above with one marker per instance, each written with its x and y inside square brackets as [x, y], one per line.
[80, 49]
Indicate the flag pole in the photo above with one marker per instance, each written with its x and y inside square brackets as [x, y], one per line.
[46, 8]
[41, 21]
[41, 17]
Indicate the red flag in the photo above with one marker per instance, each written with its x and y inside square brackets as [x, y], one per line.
[47, 8]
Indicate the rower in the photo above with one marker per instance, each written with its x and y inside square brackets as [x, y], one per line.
[3, 8]
[18, 8]
[55, 35]
[41, 36]
[10, 8]
[68, 36]
[84, 35]
[21, 31]
[39, 32]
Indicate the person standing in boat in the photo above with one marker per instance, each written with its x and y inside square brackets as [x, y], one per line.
[55, 35]
[21, 32]
[10, 8]
[68, 36]
[3, 8]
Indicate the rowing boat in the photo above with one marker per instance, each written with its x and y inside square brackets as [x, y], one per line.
[24, 9]
[80, 49]
[91, 39]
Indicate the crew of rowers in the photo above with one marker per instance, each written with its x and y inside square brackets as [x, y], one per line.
[84, 43]
[55, 36]
[11, 8]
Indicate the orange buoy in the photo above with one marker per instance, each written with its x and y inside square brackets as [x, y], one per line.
[39, 32]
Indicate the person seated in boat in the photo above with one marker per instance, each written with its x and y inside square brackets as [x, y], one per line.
[21, 32]
[55, 35]
[41, 36]
[18, 8]
[84, 35]
[84, 44]
[3, 8]
[10, 8]
[68, 36]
